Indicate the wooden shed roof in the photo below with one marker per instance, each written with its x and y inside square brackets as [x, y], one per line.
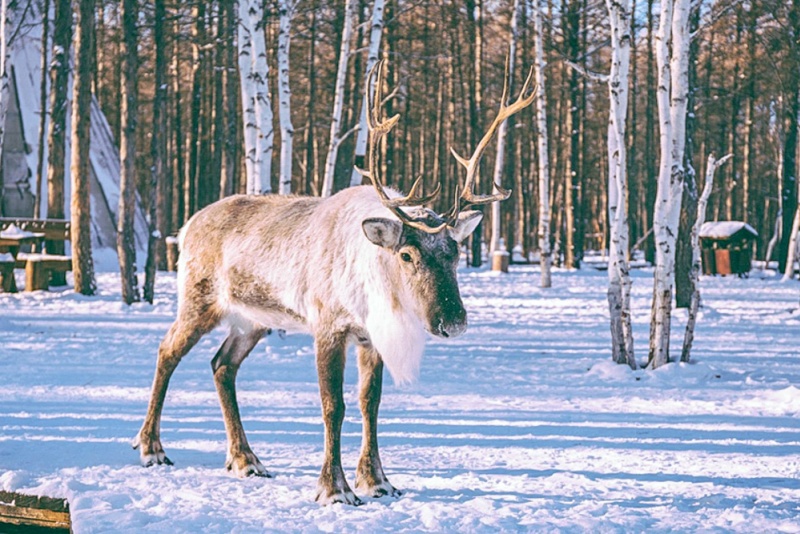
[726, 229]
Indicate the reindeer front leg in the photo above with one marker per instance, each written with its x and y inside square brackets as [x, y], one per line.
[332, 486]
[370, 478]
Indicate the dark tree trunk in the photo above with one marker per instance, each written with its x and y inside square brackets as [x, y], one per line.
[789, 190]
[230, 155]
[80, 169]
[684, 284]
[126, 246]
[156, 249]
[42, 110]
[57, 134]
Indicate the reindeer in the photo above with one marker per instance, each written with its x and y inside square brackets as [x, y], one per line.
[366, 266]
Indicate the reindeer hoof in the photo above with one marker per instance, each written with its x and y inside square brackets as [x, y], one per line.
[326, 497]
[379, 490]
[246, 464]
[151, 454]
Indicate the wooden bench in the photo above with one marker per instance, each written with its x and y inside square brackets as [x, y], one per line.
[40, 267]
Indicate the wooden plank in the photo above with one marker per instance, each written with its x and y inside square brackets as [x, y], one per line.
[53, 229]
[34, 511]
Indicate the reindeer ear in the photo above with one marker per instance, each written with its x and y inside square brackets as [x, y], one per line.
[383, 232]
[467, 222]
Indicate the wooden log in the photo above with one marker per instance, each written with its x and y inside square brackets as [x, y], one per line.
[34, 511]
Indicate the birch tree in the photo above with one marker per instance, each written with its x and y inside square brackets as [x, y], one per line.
[372, 57]
[688, 337]
[286, 12]
[4, 55]
[256, 105]
[126, 248]
[80, 165]
[671, 96]
[544, 166]
[338, 100]
[619, 282]
[499, 162]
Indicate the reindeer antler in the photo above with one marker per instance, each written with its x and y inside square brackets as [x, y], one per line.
[378, 129]
[468, 196]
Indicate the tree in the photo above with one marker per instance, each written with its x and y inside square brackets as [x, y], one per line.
[336, 137]
[256, 104]
[672, 99]
[688, 338]
[80, 165]
[156, 216]
[619, 282]
[126, 247]
[286, 11]
[57, 133]
[499, 162]
[40, 170]
[544, 167]
[372, 58]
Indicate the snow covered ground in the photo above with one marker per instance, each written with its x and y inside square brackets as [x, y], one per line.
[522, 424]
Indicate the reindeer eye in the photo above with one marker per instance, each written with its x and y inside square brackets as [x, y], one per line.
[405, 256]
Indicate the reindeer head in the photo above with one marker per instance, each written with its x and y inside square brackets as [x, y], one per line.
[425, 244]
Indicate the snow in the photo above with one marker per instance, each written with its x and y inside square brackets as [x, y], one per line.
[13, 232]
[725, 229]
[522, 424]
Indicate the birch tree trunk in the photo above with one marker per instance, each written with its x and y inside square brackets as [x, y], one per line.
[372, 58]
[702, 203]
[263, 102]
[126, 248]
[4, 54]
[619, 282]
[672, 97]
[286, 11]
[338, 100]
[499, 162]
[544, 166]
[256, 107]
[80, 167]
[792, 252]
[156, 216]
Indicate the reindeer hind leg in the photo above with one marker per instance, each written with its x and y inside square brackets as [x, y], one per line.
[240, 458]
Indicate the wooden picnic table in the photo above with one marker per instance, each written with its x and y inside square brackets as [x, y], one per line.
[11, 240]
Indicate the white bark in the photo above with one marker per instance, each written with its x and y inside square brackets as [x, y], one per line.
[619, 281]
[338, 100]
[702, 203]
[256, 105]
[4, 53]
[671, 98]
[792, 253]
[372, 57]
[245, 50]
[544, 165]
[499, 162]
[286, 11]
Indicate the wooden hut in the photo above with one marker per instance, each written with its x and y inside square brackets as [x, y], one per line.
[727, 247]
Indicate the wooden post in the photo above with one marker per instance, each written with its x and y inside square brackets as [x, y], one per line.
[500, 257]
[172, 253]
[36, 276]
